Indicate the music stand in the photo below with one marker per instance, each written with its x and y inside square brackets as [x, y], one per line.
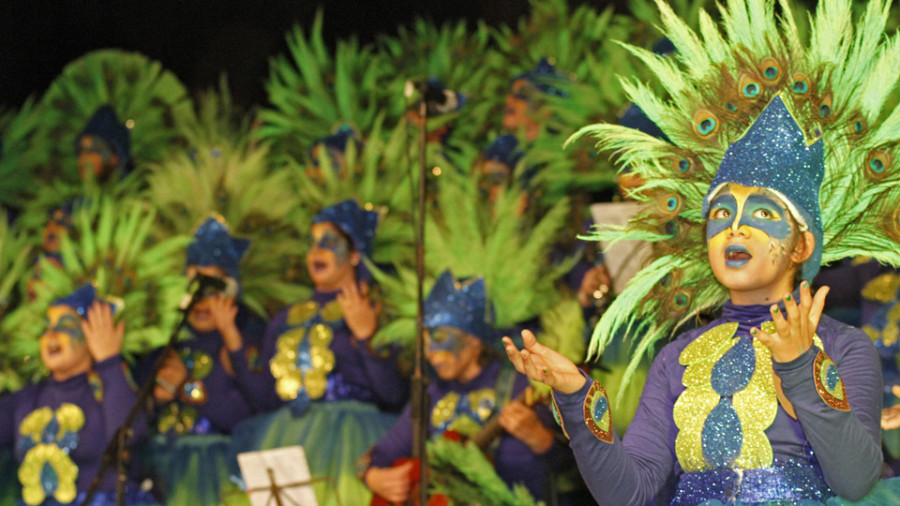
[280, 475]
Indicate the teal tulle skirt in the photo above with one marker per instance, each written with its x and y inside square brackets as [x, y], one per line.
[190, 469]
[334, 436]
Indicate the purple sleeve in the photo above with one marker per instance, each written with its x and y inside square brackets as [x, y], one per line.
[845, 442]
[253, 379]
[396, 443]
[119, 396]
[390, 387]
[633, 471]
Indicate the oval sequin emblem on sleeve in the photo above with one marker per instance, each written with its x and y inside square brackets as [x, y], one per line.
[829, 383]
[596, 413]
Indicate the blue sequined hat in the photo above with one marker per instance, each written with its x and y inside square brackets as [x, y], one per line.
[505, 149]
[213, 245]
[337, 142]
[105, 125]
[462, 304]
[79, 300]
[775, 154]
[440, 100]
[357, 223]
[544, 78]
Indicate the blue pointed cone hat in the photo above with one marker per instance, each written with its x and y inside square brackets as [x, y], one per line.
[775, 154]
[79, 300]
[505, 149]
[105, 125]
[357, 223]
[213, 245]
[543, 77]
[462, 304]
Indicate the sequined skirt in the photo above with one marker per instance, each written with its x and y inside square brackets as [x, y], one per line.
[790, 481]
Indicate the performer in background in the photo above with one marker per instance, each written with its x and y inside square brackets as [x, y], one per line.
[472, 386]
[61, 425]
[333, 389]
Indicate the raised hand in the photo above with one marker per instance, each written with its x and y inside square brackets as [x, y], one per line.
[170, 377]
[522, 422]
[359, 312]
[223, 311]
[101, 334]
[795, 332]
[543, 364]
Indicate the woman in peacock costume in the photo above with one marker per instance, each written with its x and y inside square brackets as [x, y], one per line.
[769, 402]
[332, 388]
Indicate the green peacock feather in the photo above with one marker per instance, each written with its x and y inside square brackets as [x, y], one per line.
[837, 82]
[223, 173]
[19, 149]
[109, 245]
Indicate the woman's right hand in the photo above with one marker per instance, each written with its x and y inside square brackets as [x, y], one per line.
[543, 364]
[170, 377]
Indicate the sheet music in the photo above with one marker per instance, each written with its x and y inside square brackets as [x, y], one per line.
[288, 466]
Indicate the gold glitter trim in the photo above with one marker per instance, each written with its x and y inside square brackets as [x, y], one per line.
[302, 312]
[602, 429]
[558, 415]
[31, 470]
[837, 397]
[710, 344]
[291, 377]
[882, 288]
[444, 409]
[332, 312]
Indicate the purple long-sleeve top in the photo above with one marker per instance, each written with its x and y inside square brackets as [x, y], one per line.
[101, 418]
[845, 443]
[227, 399]
[360, 372]
[513, 460]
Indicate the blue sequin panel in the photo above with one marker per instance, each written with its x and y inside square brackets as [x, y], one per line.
[832, 377]
[722, 436]
[733, 371]
[49, 479]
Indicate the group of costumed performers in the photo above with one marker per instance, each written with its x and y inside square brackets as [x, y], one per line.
[778, 160]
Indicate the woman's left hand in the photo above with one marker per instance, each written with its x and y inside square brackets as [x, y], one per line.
[102, 335]
[795, 332]
[359, 312]
[523, 423]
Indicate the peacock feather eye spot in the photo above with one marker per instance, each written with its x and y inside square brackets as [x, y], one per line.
[858, 127]
[666, 280]
[824, 110]
[771, 73]
[731, 107]
[878, 162]
[707, 126]
[800, 87]
[876, 165]
[672, 203]
[750, 90]
[705, 123]
[683, 165]
[671, 228]
[681, 300]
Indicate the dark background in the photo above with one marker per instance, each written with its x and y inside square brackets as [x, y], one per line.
[199, 40]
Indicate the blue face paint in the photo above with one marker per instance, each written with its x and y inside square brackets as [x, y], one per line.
[332, 241]
[70, 325]
[722, 213]
[449, 339]
[765, 213]
[750, 208]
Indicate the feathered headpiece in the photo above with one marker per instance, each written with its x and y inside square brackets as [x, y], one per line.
[462, 304]
[715, 86]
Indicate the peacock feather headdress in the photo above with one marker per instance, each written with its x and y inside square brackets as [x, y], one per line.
[222, 173]
[109, 246]
[718, 82]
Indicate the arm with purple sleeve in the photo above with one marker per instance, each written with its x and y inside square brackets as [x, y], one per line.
[255, 380]
[396, 443]
[846, 440]
[119, 395]
[632, 471]
[389, 386]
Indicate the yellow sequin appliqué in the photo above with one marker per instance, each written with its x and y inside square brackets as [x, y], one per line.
[70, 418]
[446, 414]
[756, 404]
[293, 371]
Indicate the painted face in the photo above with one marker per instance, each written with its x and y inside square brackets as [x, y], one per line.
[97, 156]
[495, 176]
[330, 259]
[63, 349]
[200, 318]
[749, 236]
[520, 111]
[452, 353]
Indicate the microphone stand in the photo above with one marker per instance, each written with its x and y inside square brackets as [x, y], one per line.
[115, 452]
[419, 395]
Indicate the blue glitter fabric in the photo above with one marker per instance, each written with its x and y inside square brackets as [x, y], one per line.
[105, 125]
[214, 246]
[790, 481]
[79, 300]
[357, 223]
[463, 305]
[722, 435]
[774, 153]
[733, 371]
